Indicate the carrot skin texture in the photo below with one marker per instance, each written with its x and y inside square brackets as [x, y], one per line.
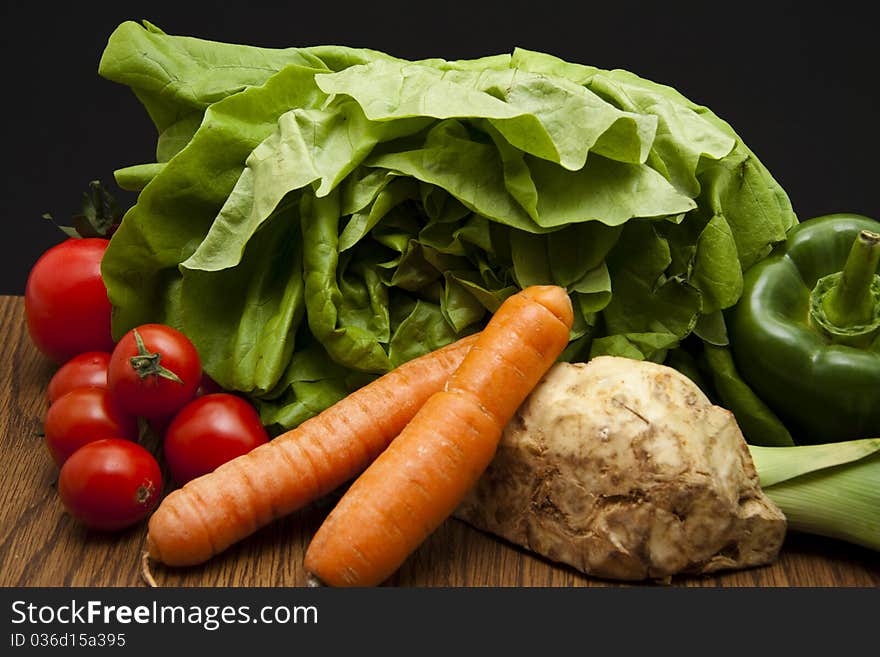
[212, 512]
[419, 480]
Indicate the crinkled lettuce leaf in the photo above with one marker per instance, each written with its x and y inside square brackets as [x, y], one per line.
[317, 216]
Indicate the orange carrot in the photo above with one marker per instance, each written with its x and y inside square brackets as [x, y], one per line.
[415, 484]
[210, 513]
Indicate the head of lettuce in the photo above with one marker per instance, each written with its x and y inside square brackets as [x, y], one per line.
[316, 216]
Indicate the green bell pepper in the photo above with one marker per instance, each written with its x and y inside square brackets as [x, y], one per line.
[806, 333]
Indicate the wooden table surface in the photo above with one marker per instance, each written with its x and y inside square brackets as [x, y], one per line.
[40, 545]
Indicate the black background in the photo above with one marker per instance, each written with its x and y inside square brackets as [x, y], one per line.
[799, 83]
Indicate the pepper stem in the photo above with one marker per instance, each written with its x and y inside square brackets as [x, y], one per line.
[147, 364]
[851, 301]
[845, 305]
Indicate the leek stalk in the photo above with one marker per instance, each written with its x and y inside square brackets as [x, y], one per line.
[830, 490]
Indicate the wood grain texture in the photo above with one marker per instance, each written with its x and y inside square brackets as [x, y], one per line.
[40, 545]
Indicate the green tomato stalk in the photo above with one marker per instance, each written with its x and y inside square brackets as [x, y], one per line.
[147, 364]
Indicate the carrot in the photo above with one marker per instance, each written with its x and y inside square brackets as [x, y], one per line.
[415, 484]
[210, 513]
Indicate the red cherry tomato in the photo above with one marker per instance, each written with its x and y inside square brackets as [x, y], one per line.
[88, 370]
[210, 431]
[157, 377]
[84, 415]
[207, 387]
[65, 300]
[110, 484]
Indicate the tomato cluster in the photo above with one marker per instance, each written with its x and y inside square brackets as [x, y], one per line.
[104, 394]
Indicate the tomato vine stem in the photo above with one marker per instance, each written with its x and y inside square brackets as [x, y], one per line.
[148, 364]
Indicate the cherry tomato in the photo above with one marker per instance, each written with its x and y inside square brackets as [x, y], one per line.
[210, 431]
[65, 300]
[110, 484]
[154, 371]
[88, 370]
[207, 387]
[84, 415]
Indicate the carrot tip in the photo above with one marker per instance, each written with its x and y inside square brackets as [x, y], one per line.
[314, 582]
[145, 570]
[153, 549]
[553, 298]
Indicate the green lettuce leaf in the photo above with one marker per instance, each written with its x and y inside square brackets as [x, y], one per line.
[550, 118]
[177, 208]
[317, 216]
